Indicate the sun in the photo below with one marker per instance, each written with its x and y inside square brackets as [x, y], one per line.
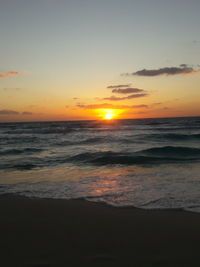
[108, 113]
[108, 116]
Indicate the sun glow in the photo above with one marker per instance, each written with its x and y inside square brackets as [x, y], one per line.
[108, 114]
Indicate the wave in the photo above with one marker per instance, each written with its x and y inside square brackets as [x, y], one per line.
[126, 139]
[19, 151]
[167, 154]
[23, 167]
[5, 140]
[173, 151]
[151, 156]
[83, 142]
[132, 138]
[174, 136]
[92, 140]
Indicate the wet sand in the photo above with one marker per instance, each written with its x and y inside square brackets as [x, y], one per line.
[44, 232]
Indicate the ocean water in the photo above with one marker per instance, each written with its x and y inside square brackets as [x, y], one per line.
[145, 163]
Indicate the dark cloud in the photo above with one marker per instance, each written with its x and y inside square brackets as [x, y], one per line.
[127, 90]
[118, 86]
[136, 96]
[182, 69]
[183, 65]
[8, 73]
[115, 98]
[8, 112]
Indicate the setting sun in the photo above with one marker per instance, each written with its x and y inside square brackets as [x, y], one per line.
[108, 116]
[108, 113]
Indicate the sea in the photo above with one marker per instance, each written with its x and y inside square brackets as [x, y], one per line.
[144, 163]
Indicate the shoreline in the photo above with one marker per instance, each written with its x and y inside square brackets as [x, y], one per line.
[58, 232]
[103, 203]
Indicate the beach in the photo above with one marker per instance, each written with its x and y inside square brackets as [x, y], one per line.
[100, 133]
[50, 232]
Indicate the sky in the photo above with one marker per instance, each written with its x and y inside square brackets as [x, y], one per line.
[83, 59]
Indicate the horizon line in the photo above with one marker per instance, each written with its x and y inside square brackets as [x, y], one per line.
[172, 117]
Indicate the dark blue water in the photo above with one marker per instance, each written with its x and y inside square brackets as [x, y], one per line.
[148, 163]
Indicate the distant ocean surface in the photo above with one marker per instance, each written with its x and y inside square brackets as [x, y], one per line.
[145, 163]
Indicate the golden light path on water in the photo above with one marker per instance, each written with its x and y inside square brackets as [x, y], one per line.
[121, 186]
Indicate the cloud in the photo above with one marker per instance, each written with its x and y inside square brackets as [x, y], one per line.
[183, 65]
[8, 112]
[156, 104]
[102, 106]
[182, 69]
[140, 106]
[26, 113]
[141, 112]
[115, 98]
[95, 106]
[118, 86]
[196, 42]
[13, 112]
[8, 73]
[127, 90]
[110, 106]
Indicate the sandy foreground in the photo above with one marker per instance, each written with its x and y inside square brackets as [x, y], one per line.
[45, 232]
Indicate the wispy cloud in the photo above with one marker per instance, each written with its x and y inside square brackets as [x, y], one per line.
[111, 106]
[8, 112]
[9, 73]
[156, 104]
[14, 112]
[115, 98]
[118, 86]
[140, 106]
[182, 69]
[141, 112]
[95, 106]
[26, 113]
[127, 90]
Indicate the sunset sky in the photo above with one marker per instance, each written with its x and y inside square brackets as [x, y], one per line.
[82, 59]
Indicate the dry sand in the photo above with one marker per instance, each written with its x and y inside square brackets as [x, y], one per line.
[42, 232]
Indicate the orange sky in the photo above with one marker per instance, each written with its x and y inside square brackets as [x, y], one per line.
[61, 61]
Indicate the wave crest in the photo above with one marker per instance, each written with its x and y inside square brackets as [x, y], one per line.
[167, 154]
